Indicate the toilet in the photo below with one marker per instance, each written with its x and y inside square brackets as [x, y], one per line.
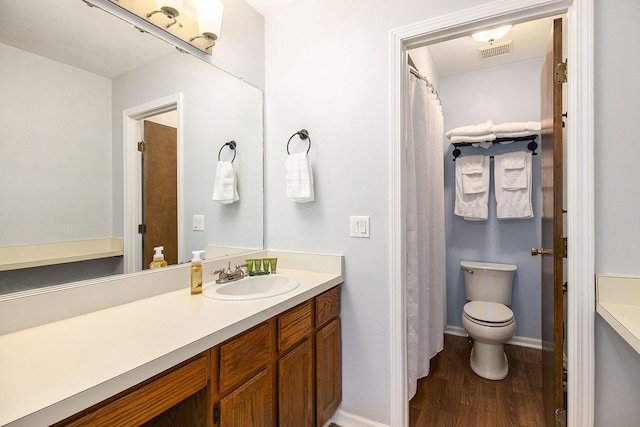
[486, 317]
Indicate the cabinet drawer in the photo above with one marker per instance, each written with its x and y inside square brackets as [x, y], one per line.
[151, 399]
[327, 306]
[294, 325]
[244, 356]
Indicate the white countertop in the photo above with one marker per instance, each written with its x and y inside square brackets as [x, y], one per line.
[51, 371]
[618, 303]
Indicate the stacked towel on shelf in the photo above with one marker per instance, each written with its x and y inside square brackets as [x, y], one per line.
[299, 178]
[472, 187]
[515, 129]
[225, 188]
[479, 135]
[513, 185]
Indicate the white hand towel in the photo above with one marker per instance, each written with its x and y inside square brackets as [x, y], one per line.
[299, 178]
[472, 206]
[225, 189]
[514, 175]
[514, 200]
[473, 130]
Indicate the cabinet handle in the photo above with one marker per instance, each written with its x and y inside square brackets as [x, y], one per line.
[216, 413]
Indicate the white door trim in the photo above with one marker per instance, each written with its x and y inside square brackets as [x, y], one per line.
[580, 186]
[132, 176]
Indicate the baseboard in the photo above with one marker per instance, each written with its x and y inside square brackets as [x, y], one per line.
[520, 341]
[345, 419]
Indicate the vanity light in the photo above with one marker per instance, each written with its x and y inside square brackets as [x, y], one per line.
[491, 36]
[209, 13]
[170, 8]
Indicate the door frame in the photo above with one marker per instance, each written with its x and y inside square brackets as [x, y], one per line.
[580, 185]
[132, 175]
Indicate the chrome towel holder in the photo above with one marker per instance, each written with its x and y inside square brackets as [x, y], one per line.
[232, 146]
[303, 134]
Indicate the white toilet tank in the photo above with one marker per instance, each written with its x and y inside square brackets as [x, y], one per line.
[484, 281]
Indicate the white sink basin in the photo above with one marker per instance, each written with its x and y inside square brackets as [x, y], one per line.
[249, 288]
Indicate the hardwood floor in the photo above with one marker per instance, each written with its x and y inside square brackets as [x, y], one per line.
[453, 395]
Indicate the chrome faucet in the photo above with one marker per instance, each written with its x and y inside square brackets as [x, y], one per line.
[228, 275]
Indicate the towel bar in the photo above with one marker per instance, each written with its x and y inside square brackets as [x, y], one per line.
[533, 145]
[232, 146]
[303, 134]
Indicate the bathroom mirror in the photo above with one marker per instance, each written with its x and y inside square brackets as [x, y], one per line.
[70, 73]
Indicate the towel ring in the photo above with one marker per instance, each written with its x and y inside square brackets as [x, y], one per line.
[232, 146]
[304, 134]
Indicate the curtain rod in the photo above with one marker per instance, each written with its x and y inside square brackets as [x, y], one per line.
[429, 85]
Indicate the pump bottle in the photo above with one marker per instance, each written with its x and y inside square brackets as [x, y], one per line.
[158, 258]
[196, 273]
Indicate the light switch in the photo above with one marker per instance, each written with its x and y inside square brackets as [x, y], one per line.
[198, 222]
[359, 226]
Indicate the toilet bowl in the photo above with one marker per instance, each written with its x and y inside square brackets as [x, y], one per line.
[486, 317]
[490, 325]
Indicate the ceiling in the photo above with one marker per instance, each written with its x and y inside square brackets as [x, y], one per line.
[457, 56]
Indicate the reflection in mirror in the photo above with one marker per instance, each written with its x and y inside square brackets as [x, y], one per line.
[70, 173]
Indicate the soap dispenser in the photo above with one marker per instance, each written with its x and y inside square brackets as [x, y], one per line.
[158, 258]
[196, 273]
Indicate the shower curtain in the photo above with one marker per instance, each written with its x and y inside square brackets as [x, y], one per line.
[424, 231]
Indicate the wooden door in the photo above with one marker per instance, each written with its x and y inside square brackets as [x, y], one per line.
[552, 228]
[250, 405]
[160, 192]
[296, 399]
[328, 378]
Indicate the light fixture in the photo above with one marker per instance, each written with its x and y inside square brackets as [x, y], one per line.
[209, 13]
[170, 8]
[491, 36]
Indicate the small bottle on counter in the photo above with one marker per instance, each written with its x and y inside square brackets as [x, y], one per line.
[158, 258]
[196, 273]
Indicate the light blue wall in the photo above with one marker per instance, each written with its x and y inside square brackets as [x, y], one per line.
[503, 94]
[617, 202]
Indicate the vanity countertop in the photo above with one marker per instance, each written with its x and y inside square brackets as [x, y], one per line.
[618, 303]
[52, 371]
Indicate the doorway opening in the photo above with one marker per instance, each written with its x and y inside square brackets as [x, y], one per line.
[133, 132]
[579, 167]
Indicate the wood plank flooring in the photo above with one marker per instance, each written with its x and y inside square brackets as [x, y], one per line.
[453, 395]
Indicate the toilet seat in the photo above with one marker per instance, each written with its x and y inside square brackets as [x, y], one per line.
[490, 314]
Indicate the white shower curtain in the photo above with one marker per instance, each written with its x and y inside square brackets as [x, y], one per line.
[425, 238]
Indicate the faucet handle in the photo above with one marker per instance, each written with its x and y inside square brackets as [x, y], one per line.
[214, 272]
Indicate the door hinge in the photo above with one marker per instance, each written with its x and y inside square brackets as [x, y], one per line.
[142, 228]
[561, 72]
[216, 413]
[141, 146]
[561, 417]
[560, 249]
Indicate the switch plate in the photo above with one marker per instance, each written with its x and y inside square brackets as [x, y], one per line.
[359, 226]
[198, 223]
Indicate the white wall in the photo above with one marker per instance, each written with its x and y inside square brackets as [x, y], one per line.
[328, 71]
[617, 91]
[53, 117]
[504, 94]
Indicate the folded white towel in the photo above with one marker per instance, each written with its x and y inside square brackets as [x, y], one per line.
[225, 189]
[472, 205]
[513, 135]
[487, 137]
[530, 127]
[299, 178]
[473, 130]
[514, 175]
[513, 186]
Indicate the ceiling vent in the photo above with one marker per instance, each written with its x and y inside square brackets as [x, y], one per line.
[496, 49]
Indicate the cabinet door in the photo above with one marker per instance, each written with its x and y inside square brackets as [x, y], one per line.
[328, 373]
[250, 405]
[295, 387]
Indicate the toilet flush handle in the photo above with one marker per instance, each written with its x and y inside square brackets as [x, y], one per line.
[468, 270]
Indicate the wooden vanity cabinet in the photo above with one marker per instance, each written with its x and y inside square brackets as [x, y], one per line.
[328, 355]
